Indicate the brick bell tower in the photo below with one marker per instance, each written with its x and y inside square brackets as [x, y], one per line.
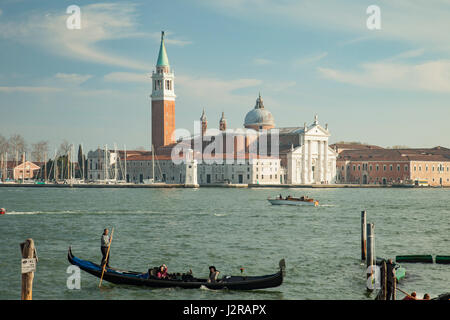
[163, 101]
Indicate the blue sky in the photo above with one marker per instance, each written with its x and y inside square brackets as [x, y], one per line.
[91, 86]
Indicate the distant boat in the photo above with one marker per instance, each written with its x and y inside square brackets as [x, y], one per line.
[293, 201]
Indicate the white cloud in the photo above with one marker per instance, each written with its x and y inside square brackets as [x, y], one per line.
[309, 59]
[29, 89]
[408, 54]
[262, 61]
[421, 23]
[72, 78]
[214, 91]
[99, 22]
[433, 76]
[128, 77]
[200, 86]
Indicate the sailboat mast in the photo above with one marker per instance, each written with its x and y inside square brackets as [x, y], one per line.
[23, 168]
[116, 162]
[45, 166]
[125, 147]
[106, 162]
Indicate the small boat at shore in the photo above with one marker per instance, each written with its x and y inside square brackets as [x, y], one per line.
[293, 201]
[186, 281]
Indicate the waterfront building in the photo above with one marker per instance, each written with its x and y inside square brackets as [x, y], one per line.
[26, 170]
[395, 166]
[102, 165]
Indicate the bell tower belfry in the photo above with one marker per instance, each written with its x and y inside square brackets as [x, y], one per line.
[163, 100]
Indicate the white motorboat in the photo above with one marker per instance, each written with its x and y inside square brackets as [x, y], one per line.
[293, 201]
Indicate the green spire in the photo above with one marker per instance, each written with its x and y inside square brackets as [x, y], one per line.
[163, 61]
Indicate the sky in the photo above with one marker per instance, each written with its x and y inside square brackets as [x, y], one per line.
[91, 86]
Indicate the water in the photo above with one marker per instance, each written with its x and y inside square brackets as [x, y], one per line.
[228, 228]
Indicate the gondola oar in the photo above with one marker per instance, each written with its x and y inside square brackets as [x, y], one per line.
[106, 258]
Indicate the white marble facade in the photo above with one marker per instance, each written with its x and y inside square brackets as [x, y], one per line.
[312, 162]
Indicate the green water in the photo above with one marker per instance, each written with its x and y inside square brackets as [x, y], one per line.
[229, 228]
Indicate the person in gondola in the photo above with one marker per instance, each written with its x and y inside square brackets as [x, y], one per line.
[213, 274]
[162, 273]
[426, 296]
[105, 241]
[412, 296]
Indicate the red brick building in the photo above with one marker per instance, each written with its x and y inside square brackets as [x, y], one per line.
[394, 166]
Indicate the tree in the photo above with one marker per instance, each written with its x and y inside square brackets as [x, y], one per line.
[39, 151]
[64, 147]
[4, 145]
[17, 145]
[82, 162]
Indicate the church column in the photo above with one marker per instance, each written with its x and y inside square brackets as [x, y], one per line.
[319, 162]
[325, 161]
[310, 173]
[303, 178]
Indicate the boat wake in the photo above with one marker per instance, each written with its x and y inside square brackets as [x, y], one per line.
[220, 214]
[21, 213]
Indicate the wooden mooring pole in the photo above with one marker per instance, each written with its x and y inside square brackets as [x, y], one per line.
[370, 244]
[370, 261]
[363, 235]
[28, 252]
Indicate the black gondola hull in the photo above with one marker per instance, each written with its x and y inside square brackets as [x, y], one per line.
[141, 279]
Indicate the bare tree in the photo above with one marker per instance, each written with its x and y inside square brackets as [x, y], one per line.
[17, 145]
[4, 145]
[64, 147]
[39, 151]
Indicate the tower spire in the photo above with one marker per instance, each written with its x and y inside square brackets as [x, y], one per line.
[163, 60]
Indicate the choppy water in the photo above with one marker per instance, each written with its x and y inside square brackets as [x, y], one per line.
[229, 228]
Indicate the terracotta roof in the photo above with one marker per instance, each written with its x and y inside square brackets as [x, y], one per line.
[198, 156]
[354, 146]
[433, 154]
[11, 164]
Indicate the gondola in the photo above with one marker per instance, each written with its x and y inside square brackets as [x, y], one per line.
[185, 281]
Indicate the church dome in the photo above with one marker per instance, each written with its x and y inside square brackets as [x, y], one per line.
[259, 117]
